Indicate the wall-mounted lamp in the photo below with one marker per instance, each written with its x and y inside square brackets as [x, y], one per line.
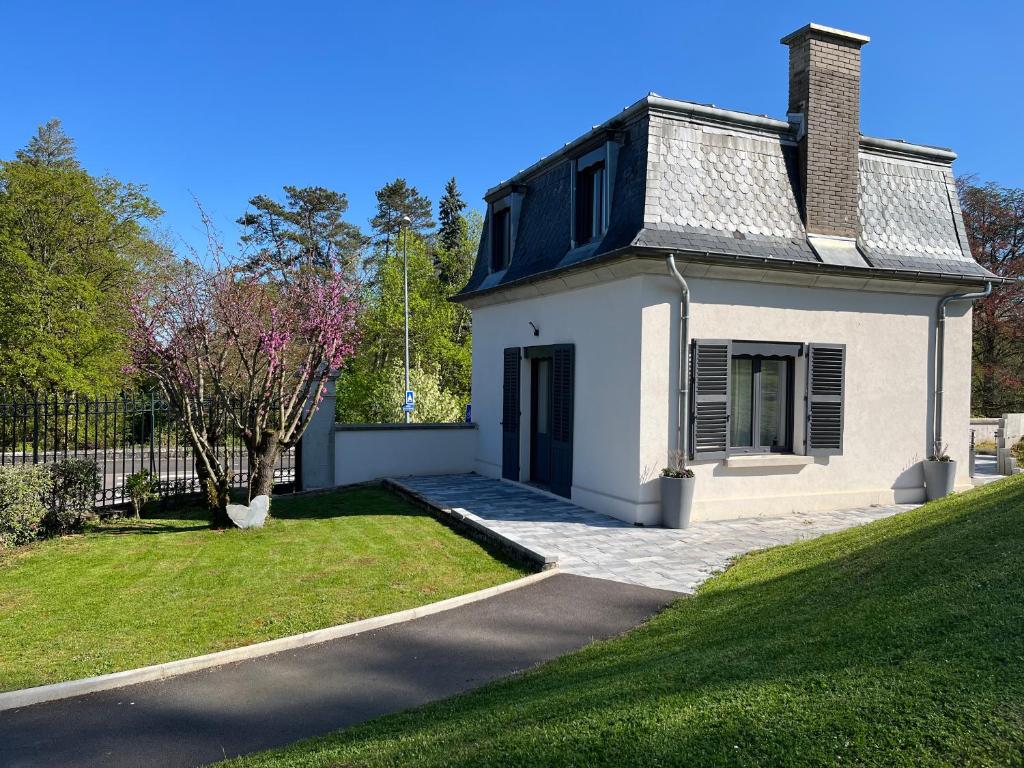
[536, 330]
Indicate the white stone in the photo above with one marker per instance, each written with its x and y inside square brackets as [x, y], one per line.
[252, 516]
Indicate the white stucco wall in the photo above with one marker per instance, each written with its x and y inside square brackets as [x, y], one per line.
[603, 322]
[377, 451]
[626, 337]
[889, 388]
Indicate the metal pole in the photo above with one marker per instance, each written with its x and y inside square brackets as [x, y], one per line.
[405, 251]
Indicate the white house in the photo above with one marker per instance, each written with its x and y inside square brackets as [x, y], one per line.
[811, 371]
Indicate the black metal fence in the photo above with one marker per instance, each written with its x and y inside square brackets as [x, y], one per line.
[123, 434]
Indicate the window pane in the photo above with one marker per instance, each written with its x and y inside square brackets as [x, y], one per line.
[589, 203]
[773, 403]
[742, 402]
[502, 231]
[543, 394]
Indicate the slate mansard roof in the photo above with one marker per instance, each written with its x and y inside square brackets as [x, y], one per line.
[707, 182]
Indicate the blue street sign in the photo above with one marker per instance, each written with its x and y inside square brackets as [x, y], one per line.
[410, 401]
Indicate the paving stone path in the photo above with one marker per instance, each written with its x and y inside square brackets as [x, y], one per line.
[590, 544]
[985, 470]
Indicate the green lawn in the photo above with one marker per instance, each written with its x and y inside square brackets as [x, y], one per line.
[896, 643]
[126, 594]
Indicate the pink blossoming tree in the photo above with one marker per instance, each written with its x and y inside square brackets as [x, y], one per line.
[249, 348]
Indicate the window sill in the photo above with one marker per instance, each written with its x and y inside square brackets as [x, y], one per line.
[760, 460]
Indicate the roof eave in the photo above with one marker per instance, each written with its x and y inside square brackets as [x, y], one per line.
[742, 261]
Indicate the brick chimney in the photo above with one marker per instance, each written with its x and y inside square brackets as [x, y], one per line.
[824, 102]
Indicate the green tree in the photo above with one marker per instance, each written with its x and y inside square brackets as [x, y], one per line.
[71, 245]
[50, 147]
[431, 319]
[396, 200]
[456, 244]
[453, 226]
[375, 396]
[307, 228]
[994, 218]
[439, 330]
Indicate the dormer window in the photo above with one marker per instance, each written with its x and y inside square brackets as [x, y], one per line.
[590, 202]
[591, 193]
[501, 239]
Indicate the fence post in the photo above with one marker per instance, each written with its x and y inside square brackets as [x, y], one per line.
[316, 467]
[35, 429]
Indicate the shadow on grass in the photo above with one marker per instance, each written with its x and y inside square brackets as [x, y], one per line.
[364, 501]
[342, 503]
[136, 530]
[369, 500]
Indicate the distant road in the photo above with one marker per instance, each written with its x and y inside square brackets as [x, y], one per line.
[115, 465]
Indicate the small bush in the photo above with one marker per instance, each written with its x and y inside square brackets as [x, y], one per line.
[985, 447]
[1018, 452]
[22, 509]
[141, 487]
[72, 496]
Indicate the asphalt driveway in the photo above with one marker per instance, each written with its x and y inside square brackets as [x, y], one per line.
[245, 707]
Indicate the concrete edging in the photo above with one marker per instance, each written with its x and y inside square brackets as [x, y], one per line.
[465, 521]
[28, 696]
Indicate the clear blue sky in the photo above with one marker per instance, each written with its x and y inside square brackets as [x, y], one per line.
[225, 100]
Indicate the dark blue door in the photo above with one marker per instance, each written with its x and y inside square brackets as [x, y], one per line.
[563, 403]
[540, 420]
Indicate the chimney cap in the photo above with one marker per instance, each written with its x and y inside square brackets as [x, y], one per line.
[821, 29]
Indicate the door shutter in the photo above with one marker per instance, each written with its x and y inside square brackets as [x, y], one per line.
[826, 369]
[510, 416]
[563, 376]
[709, 429]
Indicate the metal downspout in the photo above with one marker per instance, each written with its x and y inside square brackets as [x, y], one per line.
[940, 347]
[682, 398]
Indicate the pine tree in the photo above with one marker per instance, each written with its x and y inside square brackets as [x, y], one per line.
[396, 200]
[50, 147]
[453, 226]
[308, 227]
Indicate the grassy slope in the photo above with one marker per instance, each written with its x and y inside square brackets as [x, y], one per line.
[896, 643]
[127, 594]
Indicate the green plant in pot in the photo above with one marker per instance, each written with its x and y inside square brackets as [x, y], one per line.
[677, 483]
[939, 472]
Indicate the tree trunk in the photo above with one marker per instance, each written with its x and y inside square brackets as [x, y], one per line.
[217, 493]
[262, 461]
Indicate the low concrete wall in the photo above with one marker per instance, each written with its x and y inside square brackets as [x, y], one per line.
[985, 429]
[365, 452]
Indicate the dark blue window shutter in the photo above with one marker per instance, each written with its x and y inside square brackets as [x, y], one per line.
[709, 428]
[826, 371]
[563, 396]
[510, 415]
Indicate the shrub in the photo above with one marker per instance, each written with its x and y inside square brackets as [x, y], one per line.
[141, 487]
[72, 496]
[1018, 452]
[22, 491]
[985, 447]
[375, 396]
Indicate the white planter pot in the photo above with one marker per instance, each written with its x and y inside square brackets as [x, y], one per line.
[939, 477]
[676, 501]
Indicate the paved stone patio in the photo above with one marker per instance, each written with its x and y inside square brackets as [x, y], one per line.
[985, 470]
[591, 544]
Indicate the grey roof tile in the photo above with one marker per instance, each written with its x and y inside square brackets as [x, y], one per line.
[684, 185]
